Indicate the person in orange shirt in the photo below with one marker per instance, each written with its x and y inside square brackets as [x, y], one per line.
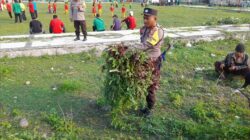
[94, 9]
[112, 9]
[66, 7]
[49, 8]
[9, 8]
[54, 7]
[123, 11]
[99, 8]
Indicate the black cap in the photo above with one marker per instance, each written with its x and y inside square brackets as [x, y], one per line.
[240, 48]
[149, 11]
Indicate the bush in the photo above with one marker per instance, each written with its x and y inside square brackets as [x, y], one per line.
[128, 76]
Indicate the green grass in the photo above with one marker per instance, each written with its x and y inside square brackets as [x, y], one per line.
[168, 17]
[189, 104]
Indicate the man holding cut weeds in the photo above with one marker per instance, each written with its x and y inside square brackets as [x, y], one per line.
[151, 40]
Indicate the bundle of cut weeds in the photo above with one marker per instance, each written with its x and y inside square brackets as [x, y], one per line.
[128, 76]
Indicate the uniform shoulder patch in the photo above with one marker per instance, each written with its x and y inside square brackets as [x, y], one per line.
[154, 37]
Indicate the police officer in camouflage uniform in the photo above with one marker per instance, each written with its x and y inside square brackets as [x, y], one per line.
[152, 37]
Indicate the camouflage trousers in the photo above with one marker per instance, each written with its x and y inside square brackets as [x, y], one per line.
[151, 99]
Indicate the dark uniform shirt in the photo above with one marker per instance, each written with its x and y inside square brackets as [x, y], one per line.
[231, 60]
[36, 26]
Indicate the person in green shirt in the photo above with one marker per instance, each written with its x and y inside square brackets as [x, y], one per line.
[17, 11]
[98, 24]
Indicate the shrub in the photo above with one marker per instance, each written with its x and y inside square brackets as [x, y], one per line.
[128, 76]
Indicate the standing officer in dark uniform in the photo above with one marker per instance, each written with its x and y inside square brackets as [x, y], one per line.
[152, 37]
[77, 15]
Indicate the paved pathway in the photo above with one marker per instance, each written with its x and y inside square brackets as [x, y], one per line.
[51, 44]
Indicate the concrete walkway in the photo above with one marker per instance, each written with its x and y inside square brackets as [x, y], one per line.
[51, 44]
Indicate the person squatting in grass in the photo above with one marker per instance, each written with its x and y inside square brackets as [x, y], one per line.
[235, 63]
[77, 15]
[152, 37]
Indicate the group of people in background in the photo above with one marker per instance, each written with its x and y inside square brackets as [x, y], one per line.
[18, 8]
[99, 25]
[76, 10]
[56, 26]
[52, 8]
[112, 8]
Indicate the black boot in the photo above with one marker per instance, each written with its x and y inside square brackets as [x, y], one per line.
[146, 112]
[85, 38]
[77, 38]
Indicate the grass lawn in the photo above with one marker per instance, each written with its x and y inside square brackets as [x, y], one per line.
[168, 17]
[190, 103]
